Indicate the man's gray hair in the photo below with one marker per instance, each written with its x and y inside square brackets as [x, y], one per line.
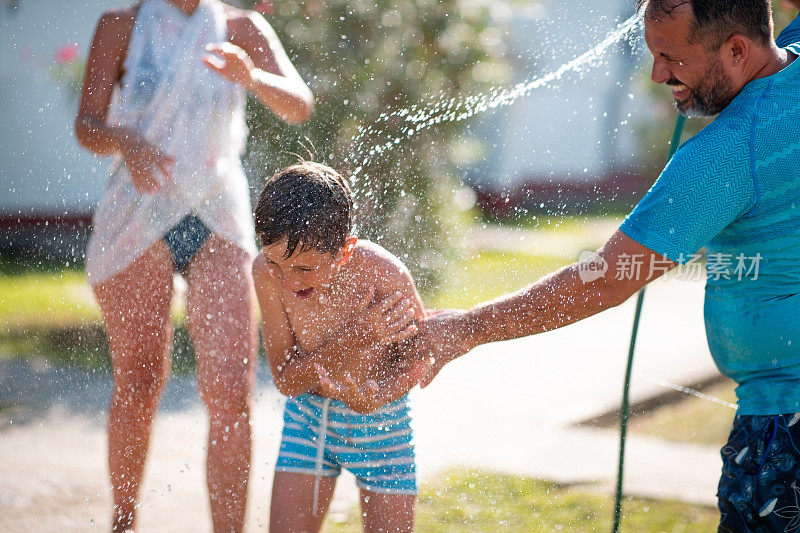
[716, 20]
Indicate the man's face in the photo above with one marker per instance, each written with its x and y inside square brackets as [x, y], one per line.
[699, 83]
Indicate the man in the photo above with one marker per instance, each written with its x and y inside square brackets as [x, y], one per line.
[734, 188]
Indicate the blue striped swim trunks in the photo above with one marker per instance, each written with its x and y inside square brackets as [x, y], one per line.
[322, 435]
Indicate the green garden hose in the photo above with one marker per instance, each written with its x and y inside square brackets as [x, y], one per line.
[624, 408]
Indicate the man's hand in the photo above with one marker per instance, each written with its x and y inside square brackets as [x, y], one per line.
[438, 341]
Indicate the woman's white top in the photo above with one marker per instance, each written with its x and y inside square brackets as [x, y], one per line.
[190, 113]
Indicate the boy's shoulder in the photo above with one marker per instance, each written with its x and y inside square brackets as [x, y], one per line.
[372, 255]
[373, 262]
[374, 266]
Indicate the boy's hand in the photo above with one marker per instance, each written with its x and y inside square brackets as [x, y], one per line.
[358, 398]
[371, 395]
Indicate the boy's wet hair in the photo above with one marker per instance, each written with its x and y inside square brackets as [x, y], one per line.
[308, 203]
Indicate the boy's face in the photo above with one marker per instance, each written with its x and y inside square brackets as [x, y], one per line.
[305, 273]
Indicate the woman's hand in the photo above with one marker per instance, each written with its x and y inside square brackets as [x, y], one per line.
[142, 160]
[231, 62]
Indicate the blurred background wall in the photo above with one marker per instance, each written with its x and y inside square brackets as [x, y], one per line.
[576, 141]
[565, 147]
[48, 183]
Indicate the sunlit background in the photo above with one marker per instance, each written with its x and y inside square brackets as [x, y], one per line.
[476, 205]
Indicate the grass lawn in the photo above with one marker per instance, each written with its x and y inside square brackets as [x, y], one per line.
[475, 501]
[37, 298]
[692, 419]
[51, 312]
[488, 274]
[47, 294]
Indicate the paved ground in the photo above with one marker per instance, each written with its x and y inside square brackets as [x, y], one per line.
[509, 406]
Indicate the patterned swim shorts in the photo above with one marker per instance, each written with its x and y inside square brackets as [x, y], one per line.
[759, 490]
[321, 436]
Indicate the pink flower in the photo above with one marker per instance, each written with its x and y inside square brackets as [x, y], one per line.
[66, 53]
[265, 7]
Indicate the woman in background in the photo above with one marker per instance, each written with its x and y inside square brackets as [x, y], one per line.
[164, 93]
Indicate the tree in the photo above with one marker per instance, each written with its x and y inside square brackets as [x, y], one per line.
[364, 60]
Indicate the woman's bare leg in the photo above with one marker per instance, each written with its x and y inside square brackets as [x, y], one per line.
[387, 513]
[135, 305]
[222, 324]
[292, 506]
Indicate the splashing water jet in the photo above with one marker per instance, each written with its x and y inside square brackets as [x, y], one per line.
[425, 116]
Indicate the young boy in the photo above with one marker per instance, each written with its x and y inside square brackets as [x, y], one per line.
[336, 311]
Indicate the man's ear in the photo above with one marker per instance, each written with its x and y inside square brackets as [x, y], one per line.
[736, 50]
[347, 250]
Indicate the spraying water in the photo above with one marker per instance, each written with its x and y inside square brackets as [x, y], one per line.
[424, 116]
[691, 392]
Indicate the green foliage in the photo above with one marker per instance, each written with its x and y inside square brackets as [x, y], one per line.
[363, 59]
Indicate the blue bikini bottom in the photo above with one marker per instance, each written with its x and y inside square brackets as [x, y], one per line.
[185, 239]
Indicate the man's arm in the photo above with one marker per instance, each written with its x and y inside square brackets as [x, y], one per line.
[687, 206]
[557, 300]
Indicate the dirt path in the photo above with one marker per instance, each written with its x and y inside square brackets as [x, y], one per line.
[53, 474]
[509, 407]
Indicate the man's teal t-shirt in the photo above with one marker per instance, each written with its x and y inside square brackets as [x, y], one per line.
[735, 188]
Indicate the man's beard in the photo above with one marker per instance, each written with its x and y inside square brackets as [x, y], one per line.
[709, 99]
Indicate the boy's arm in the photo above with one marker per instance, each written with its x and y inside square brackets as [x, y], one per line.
[279, 341]
[389, 379]
[293, 368]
